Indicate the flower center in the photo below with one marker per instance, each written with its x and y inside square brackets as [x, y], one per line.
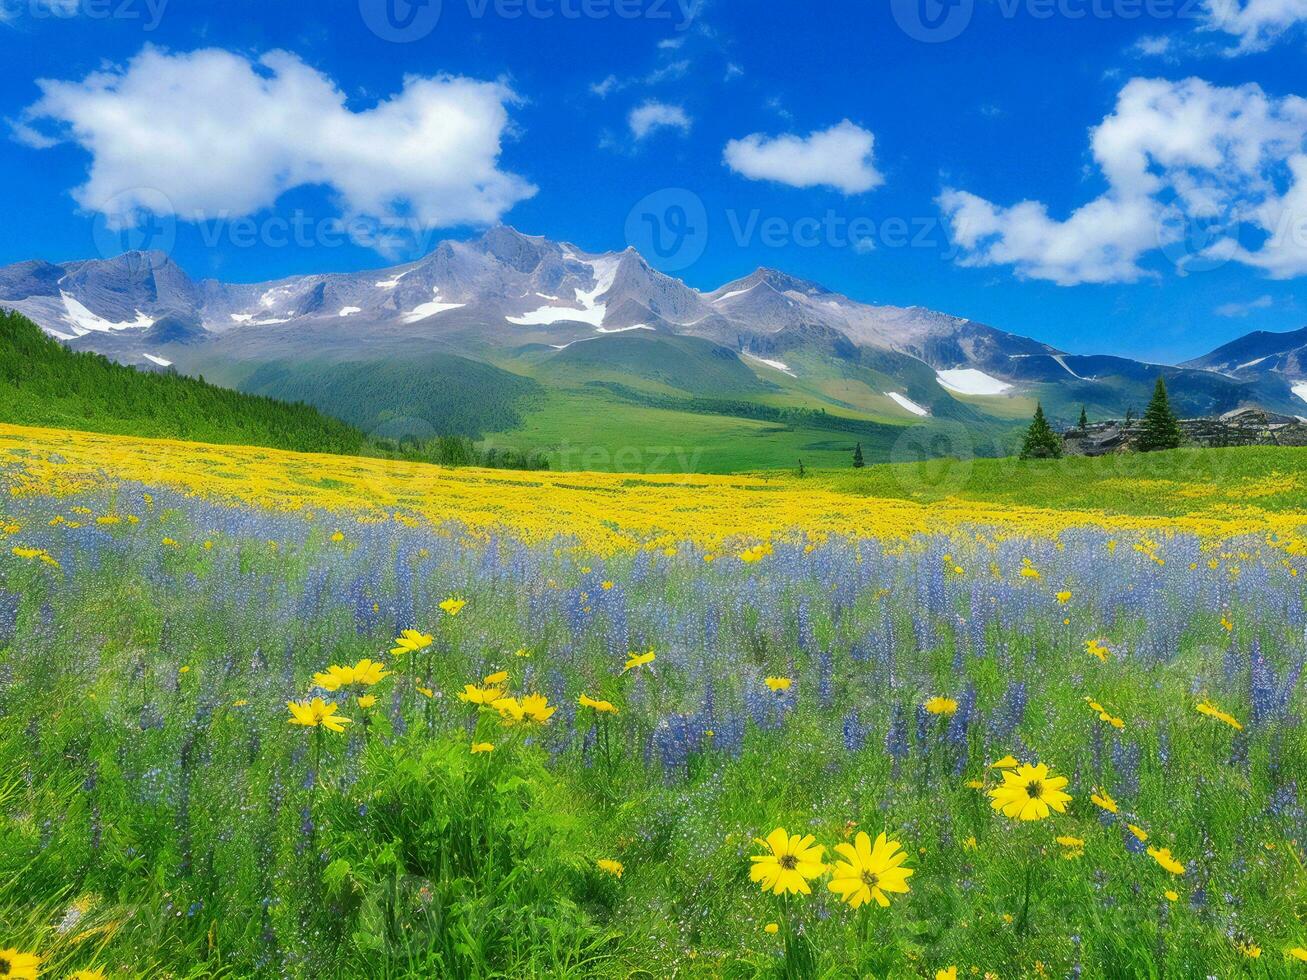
[1034, 789]
[4, 967]
[871, 879]
[789, 862]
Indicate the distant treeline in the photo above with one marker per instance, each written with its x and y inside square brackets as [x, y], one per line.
[44, 383]
[461, 451]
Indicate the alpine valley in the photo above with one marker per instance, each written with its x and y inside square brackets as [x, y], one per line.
[602, 362]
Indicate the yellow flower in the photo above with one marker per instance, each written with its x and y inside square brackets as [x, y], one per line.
[603, 707]
[1097, 649]
[471, 694]
[1063, 597]
[941, 706]
[771, 928]
[1171, 896]
[639, 660]
[338, 537]
[523, 652]
[614, 868]
[367, 701]
[510, 709]
[791, 862]
[480, 748]
[948, 974]
[317, 712]
[1139, 832]
[869, 871]
[1070, 841]
[1007, 762]
[970, 844]
[426, 692]
[778, 683]
[497, 678]
[411, 641]
[1206, 707]
[453, 606]
[365, 673]
[1298, 953]
[87, 975]
[19, 966]
[536, 708]
[1162, 855]
[1103, 801]
[1249, 949]
[1029, 793]
[607, 586]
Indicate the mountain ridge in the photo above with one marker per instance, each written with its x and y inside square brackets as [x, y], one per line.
[516, 300]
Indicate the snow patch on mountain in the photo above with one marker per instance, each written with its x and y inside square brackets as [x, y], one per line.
[905, 402]
[350, 310]
[588, 309]
[638, 326]
[424, 310]
[1061, 359]
[392, 282]
[970, 381]
[777, 365]
[83, 321]
[1300, 389]
[161, 361]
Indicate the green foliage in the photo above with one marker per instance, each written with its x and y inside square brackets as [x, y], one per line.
[858, 461]
[1160, 429]
[44, 383]
[1084, 419]
[397, 398]
[1041, 442]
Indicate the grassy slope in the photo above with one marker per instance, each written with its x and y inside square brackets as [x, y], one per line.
[44, 383]
[1171, 483]
[590, 429]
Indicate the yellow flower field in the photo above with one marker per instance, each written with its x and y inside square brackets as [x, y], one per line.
[604, 512]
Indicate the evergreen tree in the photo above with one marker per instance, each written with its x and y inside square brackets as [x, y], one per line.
[1129, 416]
[802, 472]
[1161, 429]
[1041, 441]
[1084, 419]
[857, 457]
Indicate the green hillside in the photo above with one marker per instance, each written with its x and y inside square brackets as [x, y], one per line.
[396, 398]
[43, 383]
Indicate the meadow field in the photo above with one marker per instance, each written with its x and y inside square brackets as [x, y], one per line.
[272, 714]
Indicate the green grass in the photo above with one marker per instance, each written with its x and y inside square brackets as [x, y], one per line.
[1170, 483]
[579, 429]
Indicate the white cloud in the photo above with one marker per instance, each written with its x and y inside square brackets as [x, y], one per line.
[841, 157]
[1196, 170]
[1243, 309]
[1257, 24]
[220, 136]
[651, 116]
[1154, 46]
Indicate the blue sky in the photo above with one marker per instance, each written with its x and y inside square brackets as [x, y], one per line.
[1104, 175]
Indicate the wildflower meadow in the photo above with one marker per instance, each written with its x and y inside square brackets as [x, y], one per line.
[694, 731]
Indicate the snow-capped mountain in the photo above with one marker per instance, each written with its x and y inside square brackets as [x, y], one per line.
[519, 294]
